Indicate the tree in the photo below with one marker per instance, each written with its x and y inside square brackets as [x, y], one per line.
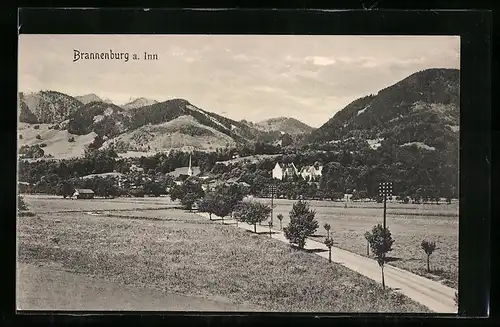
[222, 206]
[71, 139]
[429, 248]
[137, 192]
[67, 189]
[280, 218]
[252, 212]
[327, 227]
[329, 244]
[302, 224]
[270, 223]
[154, 188]
[381, 241]
[336, 196]
[38, 137]
[207, 204]
[21, 204]
[232, 194]
[188, 192]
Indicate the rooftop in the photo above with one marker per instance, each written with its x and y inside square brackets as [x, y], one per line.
[84, 191]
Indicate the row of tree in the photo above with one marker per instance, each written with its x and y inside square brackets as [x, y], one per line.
[228, 200]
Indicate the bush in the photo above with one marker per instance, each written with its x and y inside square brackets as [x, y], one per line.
[71, 139]
[21, 205]
[36, 127]
[189, 192]
[43, 145]
[137, 192]
[381, 241]
[302, 224]
[428, 248]
[26, 214]
[38, 137]
[21, 137]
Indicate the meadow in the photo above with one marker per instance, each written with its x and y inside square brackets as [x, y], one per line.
[180, 253]
[408, 223]
[52, 203]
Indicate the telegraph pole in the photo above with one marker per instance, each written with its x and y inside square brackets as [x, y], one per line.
[385, 190]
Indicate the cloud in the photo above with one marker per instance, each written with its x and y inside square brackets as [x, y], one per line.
[320, 61]
[251, 77]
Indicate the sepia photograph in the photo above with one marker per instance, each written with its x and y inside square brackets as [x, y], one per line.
[238, 173]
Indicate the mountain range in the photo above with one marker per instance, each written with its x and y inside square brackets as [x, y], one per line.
[139, 126]
[91, 98]
[421, 110]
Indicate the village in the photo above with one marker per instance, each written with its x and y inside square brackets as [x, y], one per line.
[137, 178]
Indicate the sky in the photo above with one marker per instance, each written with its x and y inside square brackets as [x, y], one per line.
[252, 77]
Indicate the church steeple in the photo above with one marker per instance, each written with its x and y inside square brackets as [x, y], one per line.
[190, 170]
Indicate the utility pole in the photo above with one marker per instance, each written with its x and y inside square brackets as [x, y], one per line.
[385, 190]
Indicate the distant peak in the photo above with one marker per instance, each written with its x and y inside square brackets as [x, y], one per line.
[139, 102]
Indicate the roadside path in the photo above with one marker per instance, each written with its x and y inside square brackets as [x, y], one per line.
[434, 295]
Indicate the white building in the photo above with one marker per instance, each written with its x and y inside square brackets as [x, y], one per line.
[284, 171]
[310, 173]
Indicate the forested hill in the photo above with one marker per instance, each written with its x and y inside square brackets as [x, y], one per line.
[287, 125]
[423, 107]
[46, 107]
[407, 133]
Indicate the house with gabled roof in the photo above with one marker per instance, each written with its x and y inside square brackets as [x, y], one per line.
[83, 193]
[311, 173]
[284, 171]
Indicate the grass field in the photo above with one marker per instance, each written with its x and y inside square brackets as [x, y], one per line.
[182, 254]
[409, 225]
[49, 203]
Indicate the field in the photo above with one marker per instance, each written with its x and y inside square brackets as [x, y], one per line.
[181, 253]
[48, 203]
[408, 223]
[56, 140]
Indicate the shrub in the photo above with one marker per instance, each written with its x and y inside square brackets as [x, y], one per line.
[188, 192]
[329, 244]
[280, 218]
[302, 224]
[137, 192]
[43, 145]
[381, 241]
[71, 139]
[367, 237]
[36, 127]
[428, 248]
[38, 137]
[21, 204]
[327, 227]
[26, 214]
